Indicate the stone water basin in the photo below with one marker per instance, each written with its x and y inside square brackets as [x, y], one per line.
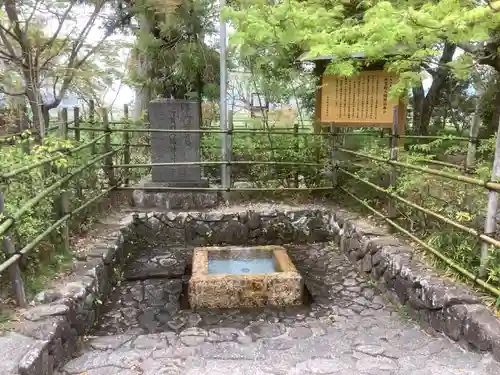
[233, 276]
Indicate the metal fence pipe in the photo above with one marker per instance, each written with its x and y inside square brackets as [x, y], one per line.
[201, 131]
[444, 219]
[470, 180]
[220, 189]
[30, 246]
[239, 162]
[49, 160]
[37, 199]
[490, 288]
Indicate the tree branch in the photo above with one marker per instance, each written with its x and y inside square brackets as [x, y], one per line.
[9, 32]
[54, 88]
[468, 47]
[6, 41]
[7, 57]
[32, 14]
[56, 53]
[9, 93]
[72, 61]
[85, 31]
[51, 41]
[11, 10]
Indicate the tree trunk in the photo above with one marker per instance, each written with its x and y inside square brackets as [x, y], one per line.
[142, 92]
[418, 101]
[424, 105]
[40, 119]
[474, 133]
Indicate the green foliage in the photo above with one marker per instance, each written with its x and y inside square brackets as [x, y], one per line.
[463, 203]
[62, 56]
[181, 62]
[412, 32]
[269, 147]
[17, 190]
[48, 258]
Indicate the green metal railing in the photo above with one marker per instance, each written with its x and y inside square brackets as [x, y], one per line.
[104, 159]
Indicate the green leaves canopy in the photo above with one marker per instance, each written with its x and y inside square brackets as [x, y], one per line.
[183, 61]
[413, 30]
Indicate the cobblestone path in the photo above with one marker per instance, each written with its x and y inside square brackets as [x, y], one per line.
[347, 329]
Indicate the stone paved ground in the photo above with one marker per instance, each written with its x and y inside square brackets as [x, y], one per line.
[347, 329]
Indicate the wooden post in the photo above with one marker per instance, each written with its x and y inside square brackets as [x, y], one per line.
[296, 147]
[14, 270]
[317, 153]
[333, 154]
[108, 161]
[391, 209]
[470, 161]
[93, 149]
[76, 118]
[126, 149]
[64, 197]
[63, 124]
[22, 125]
[125, 113]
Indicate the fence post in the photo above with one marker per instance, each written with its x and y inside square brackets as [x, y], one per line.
[317, 153]
[22, 125]
[391, 209]
[230, 127]
[470, 161]
[14, 270]
[296, 148]
[490, 223]
[333, 154]
[93, 148]
[126, 149]
[108, 161]
[64, 197]
[76, 123]
[63, 124]
[76, 120]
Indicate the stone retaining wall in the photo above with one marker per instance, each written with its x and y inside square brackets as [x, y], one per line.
[47, 334]
[448, 307]
[249, 227]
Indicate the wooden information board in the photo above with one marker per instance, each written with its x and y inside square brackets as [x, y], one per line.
[360, 101]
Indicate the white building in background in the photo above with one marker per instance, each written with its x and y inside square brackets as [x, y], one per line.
[69, 100]
[242, 93]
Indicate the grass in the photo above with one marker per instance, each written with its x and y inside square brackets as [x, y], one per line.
[50, 270]
[36, 280]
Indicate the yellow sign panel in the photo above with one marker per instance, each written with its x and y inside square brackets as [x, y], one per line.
[362, 100]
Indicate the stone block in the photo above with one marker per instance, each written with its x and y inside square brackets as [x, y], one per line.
[173, 200]
[37, 360]
[481, 328]
[14, 347]
[282, 287]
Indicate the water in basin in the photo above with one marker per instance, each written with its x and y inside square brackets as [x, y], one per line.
[241, 266]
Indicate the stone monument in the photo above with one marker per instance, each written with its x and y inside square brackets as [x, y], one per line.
[171, 114]
[170, 147]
